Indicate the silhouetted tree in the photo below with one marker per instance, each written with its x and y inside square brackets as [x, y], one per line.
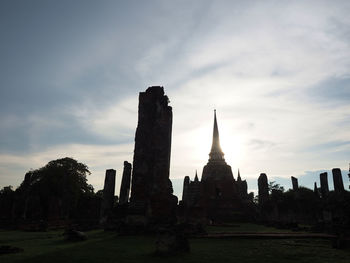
[7, 190]
[99, 193]
[62, 182]
[7, 196]
[275, 187]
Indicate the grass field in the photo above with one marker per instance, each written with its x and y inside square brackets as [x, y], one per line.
[106, 247]
[246, 228]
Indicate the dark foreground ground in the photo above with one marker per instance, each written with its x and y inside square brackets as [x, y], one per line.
[108, 247]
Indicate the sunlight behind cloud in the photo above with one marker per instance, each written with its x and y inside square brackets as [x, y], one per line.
[277, 73]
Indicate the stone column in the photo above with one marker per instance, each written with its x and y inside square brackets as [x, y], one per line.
[316, 189]
[108, 195]
[349, 174]
[125, 185]
[263, 188]
[324, 184]
[294, 183]
[151, 191]
[338, 180]
[185, 190]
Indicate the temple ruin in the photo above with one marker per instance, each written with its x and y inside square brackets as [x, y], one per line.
[324, 184]
[146, 202]
[108, 195]
[294, 183]
[125, 184]
[218, 194]
[263, 188]
[152, 200]
[338, 180]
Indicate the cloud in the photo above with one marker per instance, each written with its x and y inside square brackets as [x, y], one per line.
[332, 92]
[116, 122]
[276, 72]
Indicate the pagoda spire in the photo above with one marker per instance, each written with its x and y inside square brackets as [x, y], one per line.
[216, 153]
[196, 177]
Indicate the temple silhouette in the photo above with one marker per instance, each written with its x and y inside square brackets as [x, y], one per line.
[51, 197]
[217, 196]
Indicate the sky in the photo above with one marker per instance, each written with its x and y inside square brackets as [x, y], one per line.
[277, 72]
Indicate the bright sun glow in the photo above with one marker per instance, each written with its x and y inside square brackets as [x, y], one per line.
[200, 141]
[232, 146]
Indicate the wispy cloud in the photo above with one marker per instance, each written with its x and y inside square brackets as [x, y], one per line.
[277, 72]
